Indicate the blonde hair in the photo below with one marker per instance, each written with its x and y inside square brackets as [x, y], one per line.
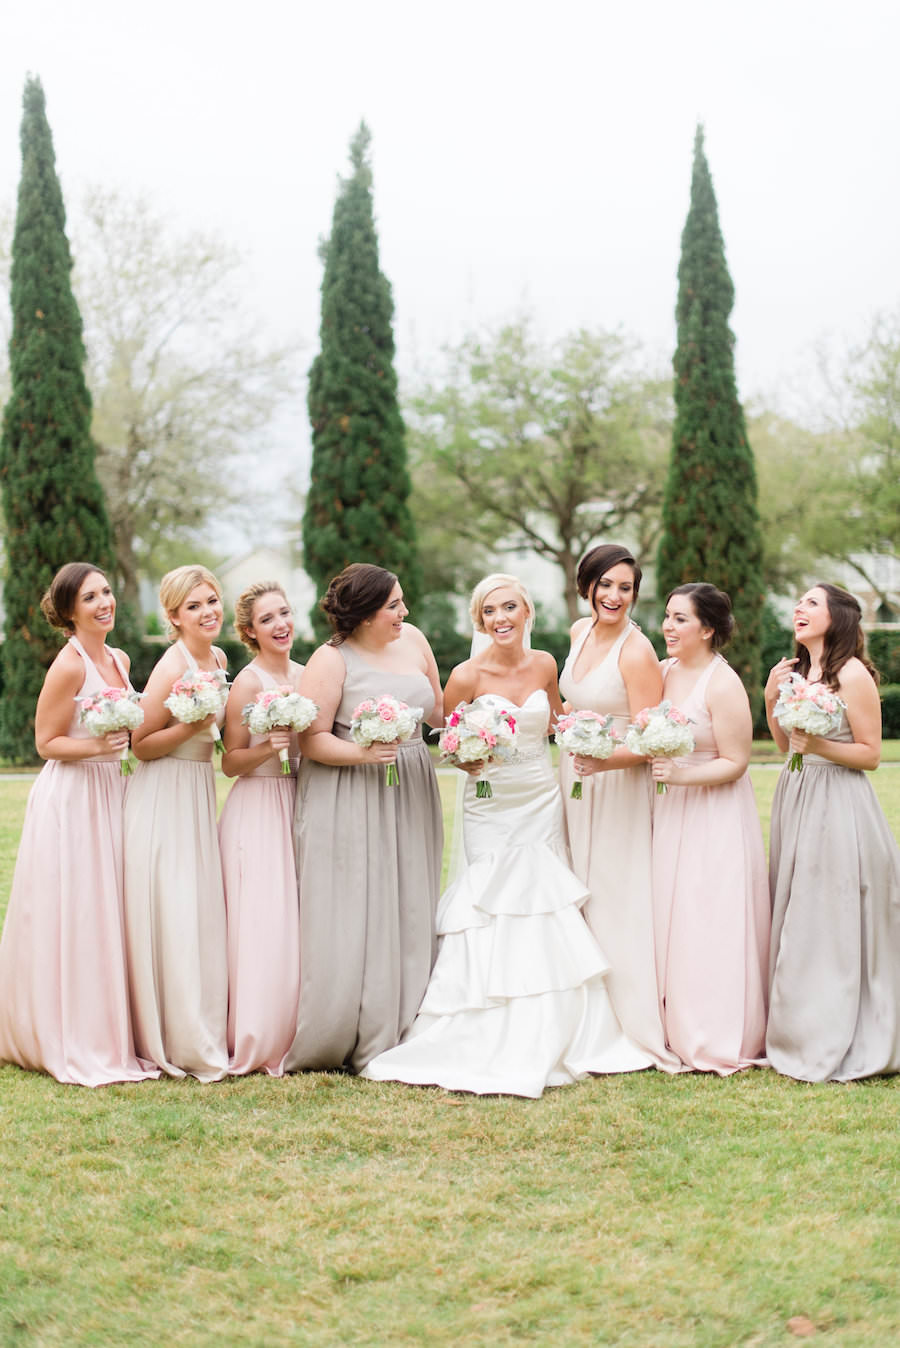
[495, 581]
[243, 609]
[175, 587]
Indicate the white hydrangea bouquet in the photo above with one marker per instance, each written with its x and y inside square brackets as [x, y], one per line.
[660, 732]
[473, 734]
[806, 706]
[112, 709]
[279, 708]
[197, 694]
[585, 732]
[384, 720]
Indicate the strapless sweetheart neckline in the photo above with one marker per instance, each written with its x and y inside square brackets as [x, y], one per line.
[538, 692]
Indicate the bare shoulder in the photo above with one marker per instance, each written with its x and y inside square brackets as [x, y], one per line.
[725, 684]
[579, 625]
[545, 664]
[637, 651]
[416, 635]
[66, 674]
[461, 683]
[855, 681]
[246, 683]
[326, 660]
[221, 657]
[122, 656]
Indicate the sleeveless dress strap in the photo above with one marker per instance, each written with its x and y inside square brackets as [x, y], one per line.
[189, 659]
[699, 689]
[123, 673]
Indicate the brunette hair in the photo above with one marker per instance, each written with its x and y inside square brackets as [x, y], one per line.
[58, 603]
[595, 564]
[175, 587]
[496, 581]
[712, 607]
[359, 591]
[243, 609]
[843, 640]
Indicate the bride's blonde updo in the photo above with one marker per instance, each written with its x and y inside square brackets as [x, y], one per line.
[496, 581]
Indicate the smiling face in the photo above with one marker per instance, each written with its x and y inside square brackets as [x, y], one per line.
[199, 617]
[685, 634]
[272, 623]
[95, 605]
[613, 595]
[504, 615]
[386, 623]
[812, 618]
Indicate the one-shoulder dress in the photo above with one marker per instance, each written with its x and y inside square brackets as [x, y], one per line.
[368, 871]
[834, 869]
[517, 1000]
[63, 994]
[175, 911]
[262, 913]
[609, 832]
[711, 905]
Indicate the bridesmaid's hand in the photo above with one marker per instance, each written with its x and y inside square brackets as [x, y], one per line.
[777, 675]
[664, 770]
[380, 753]
[279, 738]
[113, 743]
[802, 743]
[585, 766]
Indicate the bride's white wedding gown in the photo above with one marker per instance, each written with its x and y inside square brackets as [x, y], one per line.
[517, 999]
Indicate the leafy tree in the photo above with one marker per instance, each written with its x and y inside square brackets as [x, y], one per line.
[52, 501]
[357, 508]
[524, 446]
[710, 519]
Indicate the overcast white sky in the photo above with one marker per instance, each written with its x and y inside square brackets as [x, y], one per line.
[525, 154]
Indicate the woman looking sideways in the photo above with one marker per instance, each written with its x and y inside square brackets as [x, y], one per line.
[710, 895]
[368, 854]
[612, 669]
[834, 867]
[257, 845]
[63, 992]
[174, 903]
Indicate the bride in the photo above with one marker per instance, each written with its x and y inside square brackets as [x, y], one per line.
[516, 1000]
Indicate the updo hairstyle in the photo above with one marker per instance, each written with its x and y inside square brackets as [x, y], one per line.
[243, 609]
[843, 640]
[496, 581]
[175, 587]
[359, 591]
[595, 564]
[58, 603]
[712, 607]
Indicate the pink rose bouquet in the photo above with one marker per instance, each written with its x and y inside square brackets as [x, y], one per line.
[279, 708]
[660, 732]
[384, 720]
[477, 733]
[197, 694]
[112, 709]
[588, 733]
[806, 706]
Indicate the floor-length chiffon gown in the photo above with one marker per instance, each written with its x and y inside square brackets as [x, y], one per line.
[368, 872]
[835, 961]
[261, 908]
[711, 906]
[63, 994]
[517, 1000]
[175, 910]
[609, 832]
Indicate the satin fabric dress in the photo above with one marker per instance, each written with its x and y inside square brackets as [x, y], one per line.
[368, 870]
[63, 994]
[712, 912]
[609, 832]
[175, 910]
[835, 961]
[517, 1001]
[261, 909]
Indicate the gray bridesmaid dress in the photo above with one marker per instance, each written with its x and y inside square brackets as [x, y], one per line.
[835, 955]
[368, 871]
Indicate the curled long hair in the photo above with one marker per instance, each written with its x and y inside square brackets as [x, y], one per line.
[844, 638]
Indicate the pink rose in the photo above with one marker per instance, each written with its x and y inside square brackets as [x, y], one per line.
[451, 743]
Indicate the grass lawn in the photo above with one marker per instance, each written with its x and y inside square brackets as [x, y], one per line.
[320, 1209]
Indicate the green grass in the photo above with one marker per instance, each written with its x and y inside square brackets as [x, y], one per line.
[320, 1209]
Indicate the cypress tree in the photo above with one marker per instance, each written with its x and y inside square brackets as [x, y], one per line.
[52, 500]
[710, 521]
[357, 507]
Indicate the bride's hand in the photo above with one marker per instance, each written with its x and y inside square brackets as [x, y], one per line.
[475, 769]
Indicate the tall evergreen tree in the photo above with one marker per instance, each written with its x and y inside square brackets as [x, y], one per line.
[357, 507]
[52, 501]
[710, 522]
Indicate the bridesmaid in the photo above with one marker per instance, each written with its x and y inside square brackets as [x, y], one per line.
[174, 902]
[63, 992]
[257, 846]
[834, 868]
[612, 669]
[710, 895]
[368, 854]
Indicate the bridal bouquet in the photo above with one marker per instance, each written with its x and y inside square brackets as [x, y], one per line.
[112, 709]
[806, 706]
[660, 732]
[279, 709]
[473, 734]
[384, 720]
[197, 694]
[588, 733]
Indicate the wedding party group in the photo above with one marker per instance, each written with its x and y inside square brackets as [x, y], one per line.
[618, 917]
